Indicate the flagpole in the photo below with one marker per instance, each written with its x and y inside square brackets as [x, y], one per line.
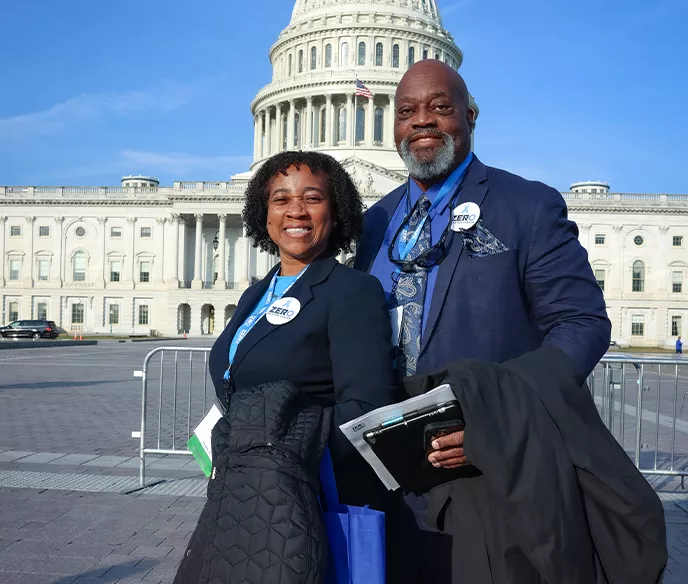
[355, 114]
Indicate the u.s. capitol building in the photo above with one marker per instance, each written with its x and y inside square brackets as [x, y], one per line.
[140, 257]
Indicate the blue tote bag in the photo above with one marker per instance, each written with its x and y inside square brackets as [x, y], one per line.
[356, 536]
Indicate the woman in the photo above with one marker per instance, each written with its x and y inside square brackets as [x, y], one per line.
[324, 328]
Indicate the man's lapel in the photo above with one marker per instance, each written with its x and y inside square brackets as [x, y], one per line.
[474, 190]
[318, 271]
[377, 220]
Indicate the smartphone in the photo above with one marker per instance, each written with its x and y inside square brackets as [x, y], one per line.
[439, 429]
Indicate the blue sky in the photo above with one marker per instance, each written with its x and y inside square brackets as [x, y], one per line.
[568, 90]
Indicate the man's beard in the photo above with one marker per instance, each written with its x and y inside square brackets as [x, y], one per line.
[440, 165]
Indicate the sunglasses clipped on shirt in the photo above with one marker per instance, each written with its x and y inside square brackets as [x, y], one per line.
[431, 257]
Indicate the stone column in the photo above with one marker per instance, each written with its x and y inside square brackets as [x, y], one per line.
[278, 129]
[132, 222]
[389, 129]
[245, 274]
[28, 281]
[370, 123]
[350, 116]
[172, 277]
[158, 266]
[291, 121]
[256, 137]
[102, 221]
[267, 151]
[60, 261]
[197, 283]
[3, 259]
[221, 282]
[309, 122]
[328, 123]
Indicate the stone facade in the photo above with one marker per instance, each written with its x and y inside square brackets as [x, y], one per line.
[140, 257]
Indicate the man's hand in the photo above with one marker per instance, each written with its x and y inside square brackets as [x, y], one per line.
[448, 451]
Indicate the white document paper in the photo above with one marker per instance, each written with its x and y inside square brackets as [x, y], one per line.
[355, 429]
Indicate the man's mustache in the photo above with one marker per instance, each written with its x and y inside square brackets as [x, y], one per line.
[429, 133]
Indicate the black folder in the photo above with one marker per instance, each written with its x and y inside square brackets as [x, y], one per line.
[401, 444]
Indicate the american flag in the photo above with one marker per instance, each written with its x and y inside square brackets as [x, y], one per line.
[363, 90]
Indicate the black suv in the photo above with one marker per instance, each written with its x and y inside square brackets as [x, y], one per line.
[35, 329]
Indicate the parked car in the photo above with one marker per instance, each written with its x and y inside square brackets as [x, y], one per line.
[34, 329]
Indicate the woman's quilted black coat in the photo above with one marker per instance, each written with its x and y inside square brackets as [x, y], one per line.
[261, 523]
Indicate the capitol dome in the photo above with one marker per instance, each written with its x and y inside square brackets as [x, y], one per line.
[311, 103]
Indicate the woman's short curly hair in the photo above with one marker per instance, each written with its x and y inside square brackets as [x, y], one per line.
[347, 208]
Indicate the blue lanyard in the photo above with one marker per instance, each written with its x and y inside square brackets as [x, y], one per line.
[252, 320]
[447, 188]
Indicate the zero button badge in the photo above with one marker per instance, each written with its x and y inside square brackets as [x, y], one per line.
[283, 310]
[465, 216]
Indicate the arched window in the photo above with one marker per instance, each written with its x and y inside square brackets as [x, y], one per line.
[284, 132]
[437, 56]
[412, 56]
[323, 124]
[395, 56]
[342, 125]
[344, 55]
[297, 130]
[379, 124]
[378, 55]
[314, 57]
[301, 61]
[290, 66]
[79, 266]
[638, 276]
[425, 54]
[361, 53]
[328, 55]
[360, 124]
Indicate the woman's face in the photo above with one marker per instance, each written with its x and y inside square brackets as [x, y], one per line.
[299, 214]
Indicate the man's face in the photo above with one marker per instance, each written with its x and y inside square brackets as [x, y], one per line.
[432, 125]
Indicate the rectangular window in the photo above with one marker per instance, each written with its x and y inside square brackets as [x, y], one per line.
[115, 270]
[15, 231]
[144, 272]
[42, 310]
[113, 317]
[143, 314]
[79, 267]
[599, 276]
[115, 232]
[638, 325]
[13, 310]
[43, 270]
[77, 314]
[146, 232]
[677, 240]
[44, 231]
[15, 269]
[600, 238]
[677, 282]
[676, 326]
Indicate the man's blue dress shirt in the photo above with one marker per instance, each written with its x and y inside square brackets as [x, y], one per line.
[383, 269]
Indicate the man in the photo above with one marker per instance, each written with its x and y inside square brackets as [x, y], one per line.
[679, 346]
[491, 280]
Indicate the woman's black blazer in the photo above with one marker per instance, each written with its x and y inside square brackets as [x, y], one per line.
[337, 348]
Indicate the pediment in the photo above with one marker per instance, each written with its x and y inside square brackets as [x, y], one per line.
[372, 181]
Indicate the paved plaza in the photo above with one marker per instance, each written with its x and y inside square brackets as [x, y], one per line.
[72, 511]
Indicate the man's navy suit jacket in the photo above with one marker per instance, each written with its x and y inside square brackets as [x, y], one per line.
[500, 306]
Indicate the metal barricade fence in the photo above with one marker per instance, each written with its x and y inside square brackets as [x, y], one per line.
[621, 386]
[640, 400]
[183, 396]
